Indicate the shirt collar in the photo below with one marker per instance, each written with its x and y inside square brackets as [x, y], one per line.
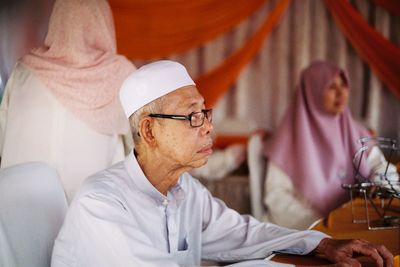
[143, 184]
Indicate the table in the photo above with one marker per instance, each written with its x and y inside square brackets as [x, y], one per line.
[339, 225]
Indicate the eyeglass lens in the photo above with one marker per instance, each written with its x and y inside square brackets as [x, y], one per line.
[197, 119]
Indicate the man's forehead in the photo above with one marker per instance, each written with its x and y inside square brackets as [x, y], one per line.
[185, 97]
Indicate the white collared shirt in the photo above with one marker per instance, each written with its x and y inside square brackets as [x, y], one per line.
[119, 219]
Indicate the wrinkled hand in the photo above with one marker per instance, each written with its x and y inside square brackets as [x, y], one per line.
[342, 252]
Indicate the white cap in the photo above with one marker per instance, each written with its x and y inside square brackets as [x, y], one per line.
[150, 82]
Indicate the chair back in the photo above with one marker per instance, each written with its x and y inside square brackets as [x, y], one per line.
[32, 210]
[257, 164]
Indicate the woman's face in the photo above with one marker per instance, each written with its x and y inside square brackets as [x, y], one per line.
[336, 96]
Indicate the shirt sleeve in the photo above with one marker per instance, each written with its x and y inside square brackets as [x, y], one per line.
[283, 203]
[105, 235]
[218, 165]
[259, 263]
[229, 236]
[379, 165]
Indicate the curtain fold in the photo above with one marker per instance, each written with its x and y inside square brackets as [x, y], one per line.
[380, 54]
[393, 6]
[148, 29]
[213, 84]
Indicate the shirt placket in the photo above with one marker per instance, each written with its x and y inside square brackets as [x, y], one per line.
[171, 224]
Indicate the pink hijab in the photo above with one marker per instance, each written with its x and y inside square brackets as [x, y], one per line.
[79, 65]
[315, 148]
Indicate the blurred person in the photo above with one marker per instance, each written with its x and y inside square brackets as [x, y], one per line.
[311, 153]
[148, 211]
[61, 102]
[221, 162]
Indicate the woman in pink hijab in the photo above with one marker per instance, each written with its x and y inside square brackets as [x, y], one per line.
[312, 150]
[61, 102]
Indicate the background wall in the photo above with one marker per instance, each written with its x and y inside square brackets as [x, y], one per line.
[264, 89]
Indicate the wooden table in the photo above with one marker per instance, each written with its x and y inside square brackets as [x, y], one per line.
[339, 225]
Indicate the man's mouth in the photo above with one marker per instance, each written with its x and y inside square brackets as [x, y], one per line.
[206, 149]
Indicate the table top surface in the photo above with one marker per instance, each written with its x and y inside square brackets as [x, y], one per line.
[339, 224]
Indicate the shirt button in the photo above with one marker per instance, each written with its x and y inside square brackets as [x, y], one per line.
[165, 202]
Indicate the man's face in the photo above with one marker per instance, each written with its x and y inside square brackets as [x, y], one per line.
[178, 142]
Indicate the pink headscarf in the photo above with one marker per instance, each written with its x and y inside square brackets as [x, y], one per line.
[79, 65]
[315, 148]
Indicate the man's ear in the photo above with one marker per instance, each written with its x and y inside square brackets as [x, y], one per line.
[146, 130]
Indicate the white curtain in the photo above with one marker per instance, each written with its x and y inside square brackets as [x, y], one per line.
[306, 33]
[265, 87]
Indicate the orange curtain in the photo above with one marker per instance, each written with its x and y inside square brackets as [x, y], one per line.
[380, 54]
[147, 29]
[212, 85]
[392, 6]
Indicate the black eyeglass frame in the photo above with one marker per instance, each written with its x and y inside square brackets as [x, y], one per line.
[206, 112]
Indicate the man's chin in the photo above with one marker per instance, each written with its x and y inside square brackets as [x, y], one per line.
[200, 163]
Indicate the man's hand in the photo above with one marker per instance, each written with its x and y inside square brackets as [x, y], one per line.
[343, 251]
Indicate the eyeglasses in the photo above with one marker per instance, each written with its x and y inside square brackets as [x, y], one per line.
[196, 118]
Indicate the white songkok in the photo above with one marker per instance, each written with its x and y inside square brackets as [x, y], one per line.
[150, 82]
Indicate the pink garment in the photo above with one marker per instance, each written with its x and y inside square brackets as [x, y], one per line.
[79, 65]
[315, 148]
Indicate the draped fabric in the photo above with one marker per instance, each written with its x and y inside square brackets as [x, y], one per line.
[265, 86]
[212, 85]
[79, 65]
[392, 6]
[306, 33]
[380, 54]
[156, 28]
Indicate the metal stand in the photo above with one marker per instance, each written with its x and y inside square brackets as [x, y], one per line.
[378, 195]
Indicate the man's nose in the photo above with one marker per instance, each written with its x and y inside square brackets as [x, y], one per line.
[207, 126]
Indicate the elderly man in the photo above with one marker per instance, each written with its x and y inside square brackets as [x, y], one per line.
[148, 211]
